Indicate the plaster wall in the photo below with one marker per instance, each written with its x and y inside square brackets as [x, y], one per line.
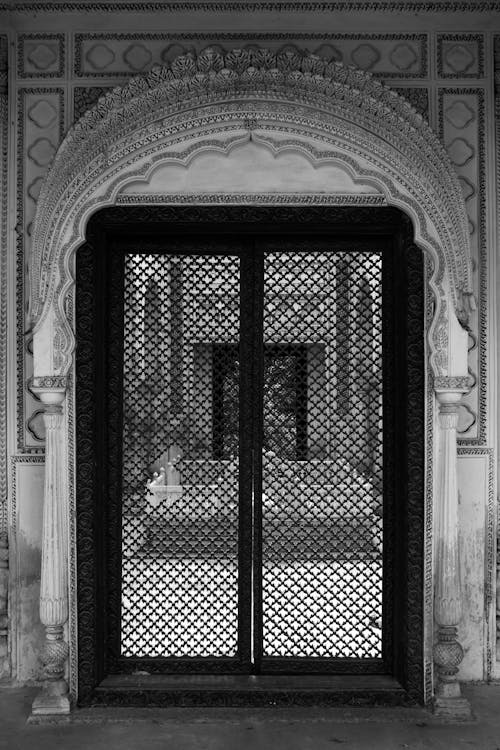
[58, 64]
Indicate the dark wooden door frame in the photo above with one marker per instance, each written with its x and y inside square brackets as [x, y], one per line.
[97, 598]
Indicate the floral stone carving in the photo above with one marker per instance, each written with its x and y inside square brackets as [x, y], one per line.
[324, 95]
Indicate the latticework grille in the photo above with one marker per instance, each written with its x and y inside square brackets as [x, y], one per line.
[180, 456]
[321, 444]
[322, 455]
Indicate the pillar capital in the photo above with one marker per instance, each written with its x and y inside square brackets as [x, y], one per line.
[50, 389]
[450, 389]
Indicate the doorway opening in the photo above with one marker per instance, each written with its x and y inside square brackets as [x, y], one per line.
[251, 505]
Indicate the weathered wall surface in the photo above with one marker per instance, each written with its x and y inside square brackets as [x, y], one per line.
[59, 63]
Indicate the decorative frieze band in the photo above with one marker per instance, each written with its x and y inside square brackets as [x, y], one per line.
[454, 383]
[118, 55]
[249, 6]
[49, 382]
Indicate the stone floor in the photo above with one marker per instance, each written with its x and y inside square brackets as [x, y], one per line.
[242, 729]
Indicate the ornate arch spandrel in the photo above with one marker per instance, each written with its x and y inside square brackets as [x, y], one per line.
[213, 99]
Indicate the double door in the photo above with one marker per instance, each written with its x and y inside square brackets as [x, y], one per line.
[253, 403]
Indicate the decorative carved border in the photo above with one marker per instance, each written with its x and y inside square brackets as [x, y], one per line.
[49, 381]
[479, 38]
[490, 555]
[218, 6]
[453, 383]
[428, 587]
[266, 199]
[261, 37]
[482, 269]
[4, 158]
[21, 286]
[23, 38]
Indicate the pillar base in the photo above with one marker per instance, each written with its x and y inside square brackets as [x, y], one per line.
[53, 699]
[452, 709]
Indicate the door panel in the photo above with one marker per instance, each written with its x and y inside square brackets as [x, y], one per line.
[182, 572]
[322, 526]
[253, 436]
[269, 400]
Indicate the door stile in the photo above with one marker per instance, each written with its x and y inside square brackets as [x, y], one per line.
[247, 418]
[257, 400]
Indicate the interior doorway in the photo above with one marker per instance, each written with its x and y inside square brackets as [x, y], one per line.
[251, 459]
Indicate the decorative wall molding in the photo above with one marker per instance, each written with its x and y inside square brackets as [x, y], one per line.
[430, 464]
[219, 6]
[40, 55]
[266, 199]
[460, 55]
[4, 244]
[40, 120]
[461, 113]
[120, 55]
[86, 97]
[444, 383]
[49, 381]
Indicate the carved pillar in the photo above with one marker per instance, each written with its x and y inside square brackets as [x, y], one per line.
[448, 652]
[53, 698]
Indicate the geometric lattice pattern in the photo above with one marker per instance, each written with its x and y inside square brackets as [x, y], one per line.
[321, 455]
[322, 507]
[180, 496]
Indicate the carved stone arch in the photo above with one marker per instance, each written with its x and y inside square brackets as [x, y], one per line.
[213, 102]
[303, 113]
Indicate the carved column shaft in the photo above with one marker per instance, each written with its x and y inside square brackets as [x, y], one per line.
[448, 652]
[53, 698]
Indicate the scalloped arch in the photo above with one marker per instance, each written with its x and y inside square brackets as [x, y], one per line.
[196, 97]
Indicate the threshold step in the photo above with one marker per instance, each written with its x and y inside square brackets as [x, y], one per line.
[250, 690]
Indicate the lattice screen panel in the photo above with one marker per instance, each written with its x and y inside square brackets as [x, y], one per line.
[180, 471]
[322, 455]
